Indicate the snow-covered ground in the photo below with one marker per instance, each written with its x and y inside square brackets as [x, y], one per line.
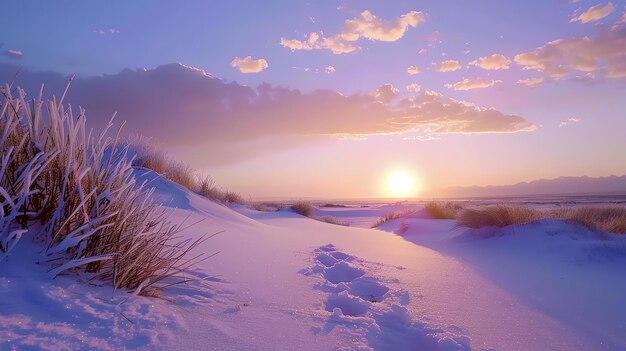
[285, 282]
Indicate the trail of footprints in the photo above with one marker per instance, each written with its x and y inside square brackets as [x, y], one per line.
[371, 308]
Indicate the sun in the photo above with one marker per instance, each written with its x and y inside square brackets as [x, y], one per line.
[402, 184]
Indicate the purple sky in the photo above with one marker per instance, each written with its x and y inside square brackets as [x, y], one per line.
[329, 99]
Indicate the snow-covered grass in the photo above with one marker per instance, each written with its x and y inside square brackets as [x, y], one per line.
[610, 219]
[75, 192]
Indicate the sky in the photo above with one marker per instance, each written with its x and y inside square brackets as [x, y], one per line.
[331, 99]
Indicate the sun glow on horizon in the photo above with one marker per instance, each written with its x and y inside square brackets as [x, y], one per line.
[402, 184]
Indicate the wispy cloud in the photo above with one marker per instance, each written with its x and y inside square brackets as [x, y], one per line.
[365, 26]
[330, 69]
[469, 84]
[248, 65]
[594, 13]
[569, 121]
[447, 66]
[14, 53]
[492, 62]
[531, 82]
[111, 31]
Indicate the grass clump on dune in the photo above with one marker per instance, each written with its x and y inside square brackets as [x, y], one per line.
[443, 210]
[610, 219]
[332, 220]
[302, 208]
[391, 216]
[147, 155]
[78, 189]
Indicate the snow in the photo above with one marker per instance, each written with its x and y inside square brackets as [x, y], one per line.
[285, 282]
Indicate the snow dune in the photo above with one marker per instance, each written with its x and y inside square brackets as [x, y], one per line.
[285, 282]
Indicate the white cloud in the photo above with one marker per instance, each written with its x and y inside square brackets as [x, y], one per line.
[412, 70]
[594, 13]
[447, 66]
[492, 62]
[469, 84]
[530, 82]
[603, 53]
[14, 53]
[330, 69]
[386, 93]
[569, 121]
[365, 26]
[413, 88]
[248, 65]
[112, 31]
[374, 28]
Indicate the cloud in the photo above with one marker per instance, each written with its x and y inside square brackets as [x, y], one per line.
[530, 82]
[185, 107]
[413, 88]
[373, 28]
[447, 66]
[594, 13]
[386, 93]
[569, 121]
[603, 53]
[365, 26]
[492, 62]
[584, 78]
[112, 31]
[335, 44]
[469, 84]
[330, 69]
[248, 65]
[412, 70]
[14, 53]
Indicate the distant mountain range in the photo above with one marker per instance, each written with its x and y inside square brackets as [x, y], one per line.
[612, 185]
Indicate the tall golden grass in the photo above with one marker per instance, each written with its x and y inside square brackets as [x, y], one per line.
[443, 210]
[302, 208]
[391, 216]
[610, 219]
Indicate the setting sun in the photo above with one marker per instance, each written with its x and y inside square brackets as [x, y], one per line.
[402, 184]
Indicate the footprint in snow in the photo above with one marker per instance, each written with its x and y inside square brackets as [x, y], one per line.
[370, 310]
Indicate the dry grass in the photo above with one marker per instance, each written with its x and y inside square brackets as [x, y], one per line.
[498, 216]
[231, 197]
[332, 220]
[302, 208]
[148, 155]
[81, 190]
[443, 210]
[391, 216]
[610, 219]
[266, 206]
